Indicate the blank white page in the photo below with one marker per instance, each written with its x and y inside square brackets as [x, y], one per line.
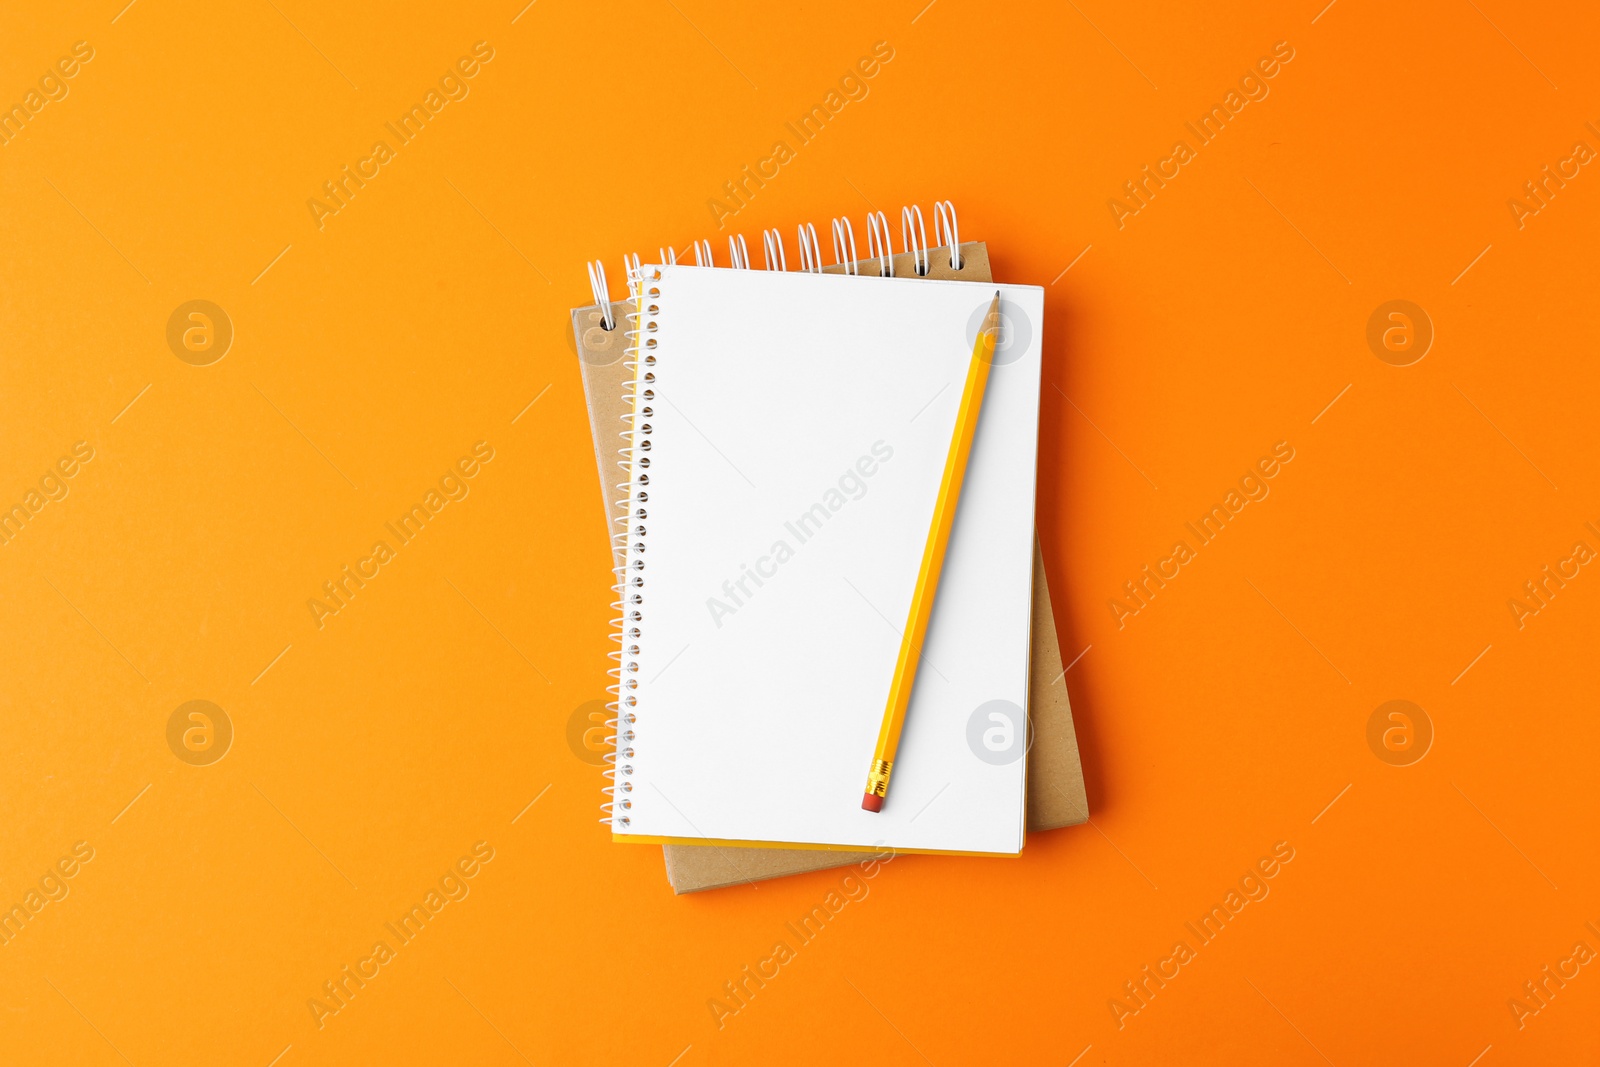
[797, 434]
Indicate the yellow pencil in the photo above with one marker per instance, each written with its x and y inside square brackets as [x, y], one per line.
[944, 515]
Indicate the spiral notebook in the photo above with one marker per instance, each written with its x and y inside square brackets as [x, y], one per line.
[758, 636]
[1055, 780]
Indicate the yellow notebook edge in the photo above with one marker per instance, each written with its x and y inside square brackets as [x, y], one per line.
[720, 842]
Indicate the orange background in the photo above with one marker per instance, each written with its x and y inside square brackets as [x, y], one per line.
[371, 754]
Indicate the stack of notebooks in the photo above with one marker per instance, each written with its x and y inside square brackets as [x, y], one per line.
[772, 447]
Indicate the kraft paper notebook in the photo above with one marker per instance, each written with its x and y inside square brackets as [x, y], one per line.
[1055, 790]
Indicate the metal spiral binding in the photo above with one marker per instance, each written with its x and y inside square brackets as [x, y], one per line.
[878, 243]
[944, 226]
[915, 239]
[639, 393]
[843, 232]
[772, 250]
[602, 294]
[810, 248]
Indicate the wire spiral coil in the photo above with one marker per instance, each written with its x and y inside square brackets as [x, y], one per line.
[639, 393]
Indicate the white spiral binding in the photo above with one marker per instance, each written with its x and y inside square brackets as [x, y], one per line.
[602, 294]
[945, 226]
[878, 243]
[810, 249]
[843, 232]
[772, 250]
[638, 395]
[915, 238]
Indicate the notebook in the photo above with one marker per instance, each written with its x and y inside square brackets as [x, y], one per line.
[1056, 794]
[775, 542]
